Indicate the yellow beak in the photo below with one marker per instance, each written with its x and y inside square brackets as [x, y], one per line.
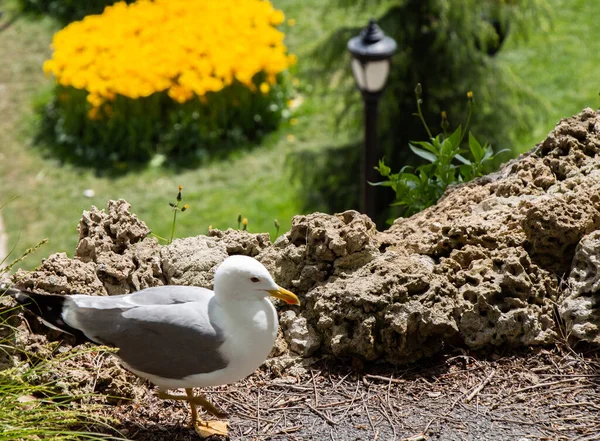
[285, 295]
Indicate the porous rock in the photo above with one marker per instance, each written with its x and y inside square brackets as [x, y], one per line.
[60, 275]
[192, 260]
[480, 268]
[117, 242]
[113, 229]
[580, 307]
[319, 244]
[241, 241]
[302, 339]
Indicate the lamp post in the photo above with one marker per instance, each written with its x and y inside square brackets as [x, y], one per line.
[371, 57]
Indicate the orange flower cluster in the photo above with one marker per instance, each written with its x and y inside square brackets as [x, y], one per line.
[186, 48]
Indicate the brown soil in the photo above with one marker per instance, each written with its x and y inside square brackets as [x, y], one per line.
[548, 395]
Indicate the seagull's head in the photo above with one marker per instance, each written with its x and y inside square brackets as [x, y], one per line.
[245, 278]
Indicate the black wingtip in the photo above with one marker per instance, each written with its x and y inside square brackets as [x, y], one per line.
[48, 307]
[17, 294]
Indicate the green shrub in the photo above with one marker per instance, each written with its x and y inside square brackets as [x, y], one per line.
[67, 11]
[136, 130]
[448, 164]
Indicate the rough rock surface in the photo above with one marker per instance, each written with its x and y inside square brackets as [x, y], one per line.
[480, 268]
[580, 307]
[113, 256]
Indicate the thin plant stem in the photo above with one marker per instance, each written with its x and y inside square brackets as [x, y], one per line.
[173, 226]
[420, 113]
[466, 129]
[23, 256]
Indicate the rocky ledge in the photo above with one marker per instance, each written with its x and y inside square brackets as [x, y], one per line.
[503, 260]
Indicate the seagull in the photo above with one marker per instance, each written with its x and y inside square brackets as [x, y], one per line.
[179, 337]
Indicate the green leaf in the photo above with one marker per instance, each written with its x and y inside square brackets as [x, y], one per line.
[489, 152]
[383, 169]
[409, 177]
[382, 183]
[428, 146]
[463, 159]
[476, 150]
[431, 157]
[455, 137]
[466, 171]
[501, 151]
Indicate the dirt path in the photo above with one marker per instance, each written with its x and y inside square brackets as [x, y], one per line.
[551, 395]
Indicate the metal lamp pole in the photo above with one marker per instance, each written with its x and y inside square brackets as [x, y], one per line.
[371, 54]
[370, 155]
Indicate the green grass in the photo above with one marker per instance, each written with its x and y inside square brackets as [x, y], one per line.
[559, 65]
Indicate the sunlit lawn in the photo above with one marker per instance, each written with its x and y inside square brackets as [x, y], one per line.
[560, 65]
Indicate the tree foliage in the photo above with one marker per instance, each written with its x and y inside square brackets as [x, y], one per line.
[450, 47]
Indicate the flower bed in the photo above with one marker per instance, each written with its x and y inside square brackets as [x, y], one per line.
[177, 77]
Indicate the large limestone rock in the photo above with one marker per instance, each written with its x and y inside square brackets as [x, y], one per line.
[479, 269]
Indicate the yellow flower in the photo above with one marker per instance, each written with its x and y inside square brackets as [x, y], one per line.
[185, 48]
[94, 113]
[48, 67]
[291, 22]
[290, 138]
[470, 95]
[264, 88]
[94, 100]
[293, 121]
[277, 17]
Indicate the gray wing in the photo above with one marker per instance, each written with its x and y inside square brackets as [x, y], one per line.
[165, 331]
[158, 295]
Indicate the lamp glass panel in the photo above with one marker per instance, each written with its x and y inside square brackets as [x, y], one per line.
[359, 73]
[376, 74]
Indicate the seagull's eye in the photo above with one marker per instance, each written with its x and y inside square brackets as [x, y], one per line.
[254, 279]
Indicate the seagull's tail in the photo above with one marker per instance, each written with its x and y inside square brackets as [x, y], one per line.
[48, 307]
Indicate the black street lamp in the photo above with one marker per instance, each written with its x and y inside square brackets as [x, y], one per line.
[371, 58]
